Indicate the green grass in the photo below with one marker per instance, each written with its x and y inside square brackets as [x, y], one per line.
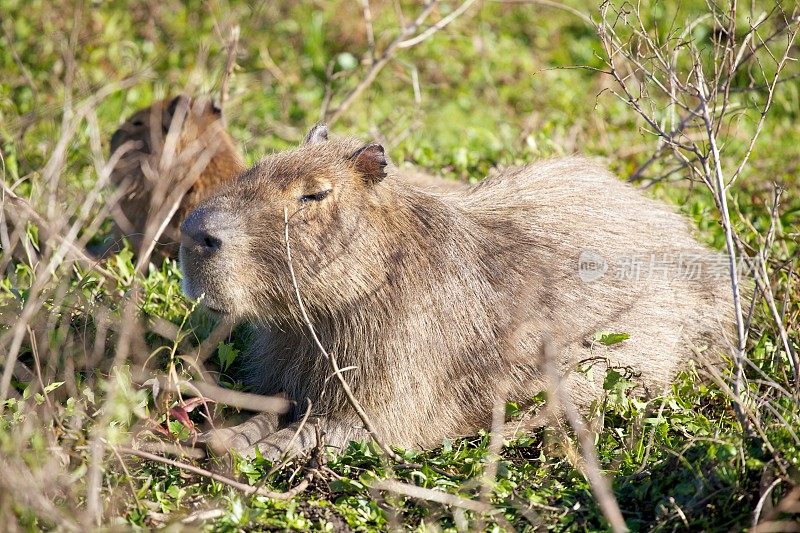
[496, 88]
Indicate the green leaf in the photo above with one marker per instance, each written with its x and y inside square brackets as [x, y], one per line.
[512, 409]
[613, 378]
[226, 354]
[53, 386]
[608, 338]
[346, 486]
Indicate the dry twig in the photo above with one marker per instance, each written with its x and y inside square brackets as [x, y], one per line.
[230, 65]
[405, 39]
[443, 498]
[249, 490]
[559, 402]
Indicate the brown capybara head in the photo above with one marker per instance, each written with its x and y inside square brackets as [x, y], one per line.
[147, 129]
[332, 191]
[176, 151]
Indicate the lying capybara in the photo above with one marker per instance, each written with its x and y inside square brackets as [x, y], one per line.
[204, 158]
[438, 305]
[178, 154]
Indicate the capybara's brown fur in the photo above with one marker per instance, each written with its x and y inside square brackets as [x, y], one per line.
[428, 182]
[148, 186]
[177, 151]
[438, 305]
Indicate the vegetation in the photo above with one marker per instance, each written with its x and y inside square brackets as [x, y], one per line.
[503, 83]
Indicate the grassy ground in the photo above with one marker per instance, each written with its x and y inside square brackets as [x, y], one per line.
[497, 87]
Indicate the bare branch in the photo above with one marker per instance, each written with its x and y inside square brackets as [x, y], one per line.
[552, 4]
[405, 39]
[233, 398]
[560, 401]
[722, 199]
[443, 498]
[230, 65]
[408, 43]
[248, 490]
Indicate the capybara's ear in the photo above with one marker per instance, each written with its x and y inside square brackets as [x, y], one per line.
[370, 162]
[172, 108]
[173, 104]
[318, 134]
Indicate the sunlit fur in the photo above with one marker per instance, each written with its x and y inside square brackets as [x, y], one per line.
[438, 303]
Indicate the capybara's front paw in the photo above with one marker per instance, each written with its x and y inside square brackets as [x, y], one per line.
[234, 441]
[227, 440]
[242, 438]
[291, 441]
[272, 449]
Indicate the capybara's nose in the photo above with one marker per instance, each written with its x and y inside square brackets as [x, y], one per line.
[205, 230]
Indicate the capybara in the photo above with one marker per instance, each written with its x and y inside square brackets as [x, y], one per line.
[179, 154]
[204, 158]
[438, 305]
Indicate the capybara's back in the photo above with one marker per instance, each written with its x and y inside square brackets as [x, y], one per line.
[439, 305]
[615, 279]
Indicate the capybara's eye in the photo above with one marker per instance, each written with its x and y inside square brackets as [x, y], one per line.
[137, 123]
[316, 197]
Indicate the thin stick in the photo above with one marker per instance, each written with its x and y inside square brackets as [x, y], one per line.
[233, 398]
[786, 505]
[288, 457]
[550, 3]
[369, 29]
[408, 43]
[762, 500]
[230, 65]
[128, 477]
[601, 488]
[494, 448]
[405, 39]
[443, 498]
[249, 490]
[722, 198]
[331, 359]
[161, 447]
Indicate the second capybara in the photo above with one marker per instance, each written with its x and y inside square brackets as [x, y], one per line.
[177, 152]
